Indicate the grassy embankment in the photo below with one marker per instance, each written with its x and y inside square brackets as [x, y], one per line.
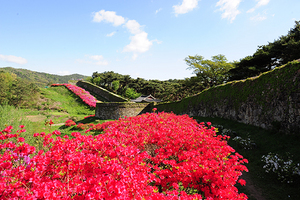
[55, 103]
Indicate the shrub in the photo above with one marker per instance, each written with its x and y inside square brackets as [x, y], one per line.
[284, 168]
[151, 156]
[131, 93]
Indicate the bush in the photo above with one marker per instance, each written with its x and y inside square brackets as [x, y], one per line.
[131, 93]
[284, 168]
[151, 156]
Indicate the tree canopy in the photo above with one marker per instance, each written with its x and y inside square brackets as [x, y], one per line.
[16, 91]
[168, 90]
[210, 72]
[267, 57]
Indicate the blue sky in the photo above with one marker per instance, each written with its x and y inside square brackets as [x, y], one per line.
[142, 38]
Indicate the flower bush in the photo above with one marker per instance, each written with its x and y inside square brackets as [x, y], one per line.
[245, 143]
[151, 156]
[83, 94]
[69, 123]
[89, 116]
[284, 167]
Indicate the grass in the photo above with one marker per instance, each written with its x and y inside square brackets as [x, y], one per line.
[55, 103]
[67, 101]
[9, 115]
[265, 142]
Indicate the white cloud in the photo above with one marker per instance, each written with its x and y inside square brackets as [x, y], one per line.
[96, 57]
[111, 34]
[259, 4]
[186, 6]
[63, 73]
[262, 2]
[109, 16]
[133, 26]
[93, 60]
[258, 17]
[135, 55]
[229, 8]
[251, 10]
[139, 42]
[158, 10]
[13, 59]
[100, 63]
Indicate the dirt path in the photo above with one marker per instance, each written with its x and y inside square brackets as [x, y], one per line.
[255, 192]
[40, 118]
[36, 118]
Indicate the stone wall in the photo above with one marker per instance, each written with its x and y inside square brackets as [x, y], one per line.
[109, 96]
[118, 110]
[271, 100]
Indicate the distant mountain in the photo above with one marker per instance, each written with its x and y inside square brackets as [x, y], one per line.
[41, 78]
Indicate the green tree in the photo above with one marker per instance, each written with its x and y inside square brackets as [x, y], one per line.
[131, 93]
[97, 80]
[6, 81]
[16, 91]
[267, 57]
[210, 72]
[124, 81]
[115, 85]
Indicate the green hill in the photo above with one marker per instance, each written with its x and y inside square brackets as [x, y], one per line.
[40, 78]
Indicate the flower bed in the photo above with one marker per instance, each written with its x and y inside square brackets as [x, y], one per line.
[83, 94]
[151, 156]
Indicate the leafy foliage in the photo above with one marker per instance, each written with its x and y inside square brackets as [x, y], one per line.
[210, 72]
[16, 91]
[124, 85]
[267, 57]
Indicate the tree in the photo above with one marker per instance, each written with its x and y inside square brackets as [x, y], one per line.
[210, 72]
[16, 91]
[267, 57]
[115, 85]
[124, 81]
[6, 80]
[131, 93]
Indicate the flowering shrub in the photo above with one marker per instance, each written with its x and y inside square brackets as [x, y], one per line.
[285, 168]
[69, 123]
[89, 116]
[82, 126]
[244, 143]
[151, 156]
[83, 94]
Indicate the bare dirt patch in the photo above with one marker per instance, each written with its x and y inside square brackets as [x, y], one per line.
[253, 189]
[36, 118]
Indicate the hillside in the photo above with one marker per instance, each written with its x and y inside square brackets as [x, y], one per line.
[40, 78]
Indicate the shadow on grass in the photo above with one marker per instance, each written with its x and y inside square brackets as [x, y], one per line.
[265, 141]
